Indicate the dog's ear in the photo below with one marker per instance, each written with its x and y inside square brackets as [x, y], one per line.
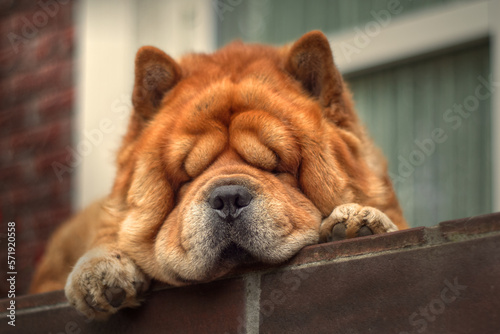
[310, 61]
[155, 74]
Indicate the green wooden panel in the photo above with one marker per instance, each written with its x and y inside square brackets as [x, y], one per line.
[404, 106]
[445, 152]
[279, 21]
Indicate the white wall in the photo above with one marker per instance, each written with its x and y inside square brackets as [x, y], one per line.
[109, 34]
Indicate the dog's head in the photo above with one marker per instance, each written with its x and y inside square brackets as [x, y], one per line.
[231, 157]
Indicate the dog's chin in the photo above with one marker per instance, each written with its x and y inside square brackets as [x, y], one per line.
[234, 255]
[231, 257]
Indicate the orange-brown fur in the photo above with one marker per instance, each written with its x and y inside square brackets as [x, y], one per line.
[278, 121]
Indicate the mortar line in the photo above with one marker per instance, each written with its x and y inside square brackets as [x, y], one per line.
[252, 303]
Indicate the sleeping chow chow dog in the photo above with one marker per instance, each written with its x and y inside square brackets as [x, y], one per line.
[244, 155]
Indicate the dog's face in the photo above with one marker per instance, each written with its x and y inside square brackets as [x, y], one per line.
[232, 157]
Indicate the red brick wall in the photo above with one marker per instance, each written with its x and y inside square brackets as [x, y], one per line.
[36, 111]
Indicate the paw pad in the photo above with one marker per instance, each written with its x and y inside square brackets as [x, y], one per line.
[364, 231]
[339, 232]
[115, 296]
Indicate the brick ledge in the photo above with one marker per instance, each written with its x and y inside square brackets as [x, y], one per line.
[401, 282]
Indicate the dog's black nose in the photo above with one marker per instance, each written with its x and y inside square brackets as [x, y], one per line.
[229, 201]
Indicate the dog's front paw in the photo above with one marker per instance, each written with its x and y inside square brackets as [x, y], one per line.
[353, 220]
[104, 281]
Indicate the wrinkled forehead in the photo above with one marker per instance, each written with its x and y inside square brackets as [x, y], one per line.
[220, 102]
[265, 123]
